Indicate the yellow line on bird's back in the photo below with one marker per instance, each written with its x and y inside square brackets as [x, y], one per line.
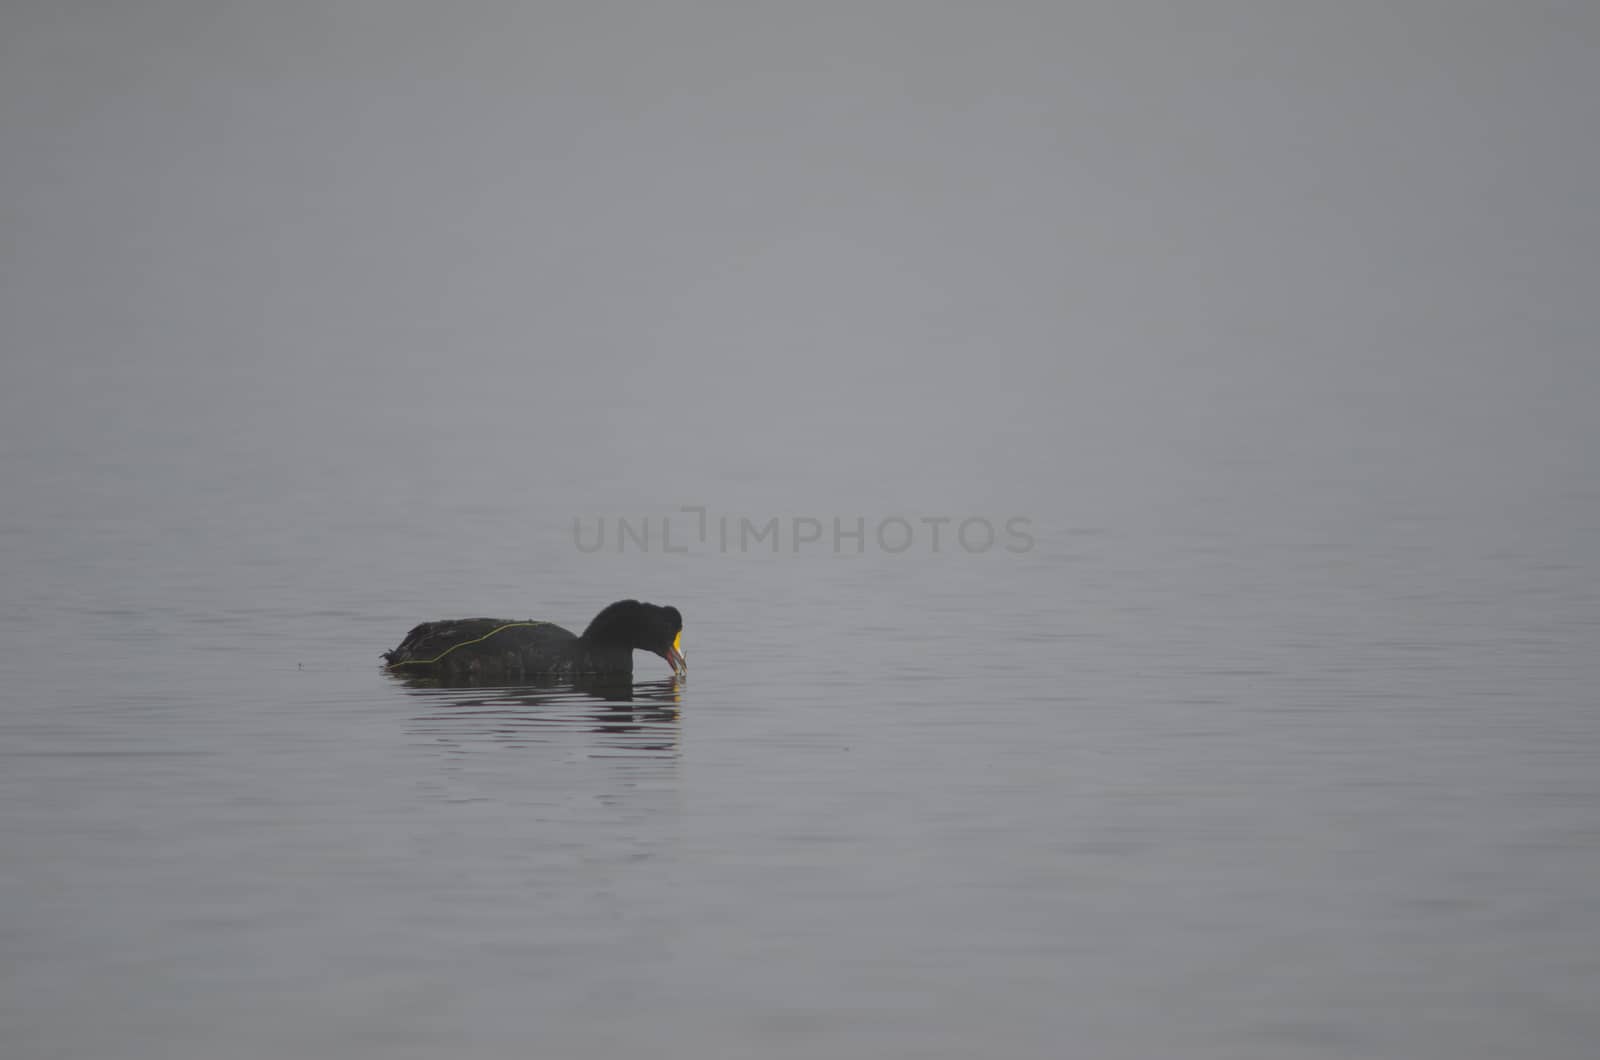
[465, 644]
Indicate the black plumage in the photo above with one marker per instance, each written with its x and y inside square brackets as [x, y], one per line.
[495, 649]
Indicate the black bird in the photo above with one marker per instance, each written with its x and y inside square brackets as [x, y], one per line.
[497, 648]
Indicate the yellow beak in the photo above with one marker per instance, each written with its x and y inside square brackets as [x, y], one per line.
[680, 666]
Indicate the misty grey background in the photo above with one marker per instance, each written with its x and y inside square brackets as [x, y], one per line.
[1277, 320]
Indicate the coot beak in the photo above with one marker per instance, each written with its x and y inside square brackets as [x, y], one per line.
[674, 655]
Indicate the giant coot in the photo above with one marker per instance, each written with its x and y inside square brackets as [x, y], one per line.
[480, 648]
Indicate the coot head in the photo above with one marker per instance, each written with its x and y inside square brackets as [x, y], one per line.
[647, 627]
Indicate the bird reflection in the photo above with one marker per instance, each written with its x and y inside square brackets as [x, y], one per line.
[636, 717]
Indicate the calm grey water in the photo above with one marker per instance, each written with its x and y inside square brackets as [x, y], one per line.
[1274, 322]
[1238, 787]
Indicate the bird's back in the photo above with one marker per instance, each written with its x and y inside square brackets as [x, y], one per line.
[484, 647]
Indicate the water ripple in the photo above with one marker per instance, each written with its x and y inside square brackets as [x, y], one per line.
[613, 717]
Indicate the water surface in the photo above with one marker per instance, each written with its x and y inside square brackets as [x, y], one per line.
[1234, 793]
